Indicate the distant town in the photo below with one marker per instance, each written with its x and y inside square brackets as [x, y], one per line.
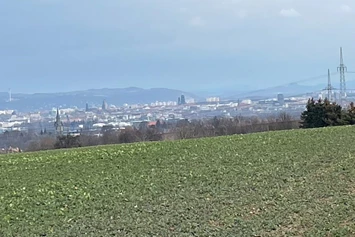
[73, 120]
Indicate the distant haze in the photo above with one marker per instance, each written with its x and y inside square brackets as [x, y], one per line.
[200, 45]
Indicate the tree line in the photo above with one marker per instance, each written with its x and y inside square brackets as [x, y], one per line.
[184, 129]
[324, 113]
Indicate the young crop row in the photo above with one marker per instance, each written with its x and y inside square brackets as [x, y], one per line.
[271, 184]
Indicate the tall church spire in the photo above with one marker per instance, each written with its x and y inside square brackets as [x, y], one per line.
[58, 124]
[58, 116]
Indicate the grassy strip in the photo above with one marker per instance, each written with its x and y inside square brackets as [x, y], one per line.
[267, 184]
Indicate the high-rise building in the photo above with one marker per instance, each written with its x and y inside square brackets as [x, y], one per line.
[183, 101]
[104, 105]
[281, 99]
[87, 107]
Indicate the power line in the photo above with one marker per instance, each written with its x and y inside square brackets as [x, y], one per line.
[313, 78]
[290, 83]
[341, 70]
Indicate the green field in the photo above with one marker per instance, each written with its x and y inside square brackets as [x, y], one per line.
[290, 183]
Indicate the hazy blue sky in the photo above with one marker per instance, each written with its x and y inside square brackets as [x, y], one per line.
[61, 45]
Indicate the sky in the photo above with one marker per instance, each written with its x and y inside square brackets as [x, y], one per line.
[192, 45]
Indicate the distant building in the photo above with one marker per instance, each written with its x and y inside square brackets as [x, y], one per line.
[104, 105]
[190, 101]
[6, 112]
[58, 124]
[246, 102]
[181, 100]
[87, 107]
[281, 99]
[213, 99]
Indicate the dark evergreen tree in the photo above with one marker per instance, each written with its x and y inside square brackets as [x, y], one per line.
[322, 114]
[67, 142]
[350, 114]
[158, 124]
[215, 122]
[333, 114]
[311, 117]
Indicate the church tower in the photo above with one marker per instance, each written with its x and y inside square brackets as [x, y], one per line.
[58, 124]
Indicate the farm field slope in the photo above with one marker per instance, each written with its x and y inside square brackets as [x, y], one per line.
[298, 182]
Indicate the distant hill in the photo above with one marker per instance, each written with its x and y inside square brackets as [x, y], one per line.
[118, 96]
[292, 89]
[224, 91]
[287, 90]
